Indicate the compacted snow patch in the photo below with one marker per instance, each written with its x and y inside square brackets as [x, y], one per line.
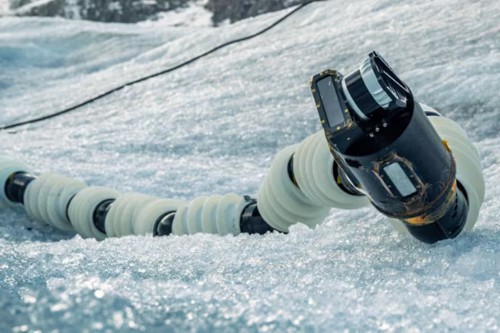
[214, 127]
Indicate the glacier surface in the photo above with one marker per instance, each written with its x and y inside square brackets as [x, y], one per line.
[214, 127]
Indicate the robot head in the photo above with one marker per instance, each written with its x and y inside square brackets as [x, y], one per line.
[385, 146]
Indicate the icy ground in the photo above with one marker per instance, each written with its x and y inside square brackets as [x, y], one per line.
[214, 127]
[4, 6]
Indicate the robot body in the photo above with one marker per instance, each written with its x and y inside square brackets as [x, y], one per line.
[378, 146]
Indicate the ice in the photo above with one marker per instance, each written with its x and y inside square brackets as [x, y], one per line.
[214, 127]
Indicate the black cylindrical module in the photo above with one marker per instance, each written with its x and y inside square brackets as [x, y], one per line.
[382, 140]
[100, 213]
[449, 225]
[252, 222]
[407, 175]
[16, 185]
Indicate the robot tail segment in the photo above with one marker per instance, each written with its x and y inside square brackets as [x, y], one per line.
[99, 212]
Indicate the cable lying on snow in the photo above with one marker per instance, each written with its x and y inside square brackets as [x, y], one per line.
[378, 146]
[150, 76]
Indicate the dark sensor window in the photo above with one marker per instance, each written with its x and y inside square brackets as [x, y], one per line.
[330, 101]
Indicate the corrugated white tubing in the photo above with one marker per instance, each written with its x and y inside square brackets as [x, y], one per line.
[282, 204]
[69, 204]
[47, 196]
[9, 166]
[467, 159]
[152, 211]
[313, 170]
[134, 213]
[215, 214]
[129, 213]
[123, 214]
[81, 210]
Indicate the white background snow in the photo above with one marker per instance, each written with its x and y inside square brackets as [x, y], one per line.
[214, 127]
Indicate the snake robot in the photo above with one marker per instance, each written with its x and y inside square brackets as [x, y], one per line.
[379, 147]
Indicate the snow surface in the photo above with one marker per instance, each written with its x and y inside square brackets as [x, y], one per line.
[214, 127]
[4, 6]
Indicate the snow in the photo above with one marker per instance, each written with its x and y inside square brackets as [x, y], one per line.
[214, 127]
[4, 6]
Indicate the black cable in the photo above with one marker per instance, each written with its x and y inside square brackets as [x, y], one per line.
[165, 71]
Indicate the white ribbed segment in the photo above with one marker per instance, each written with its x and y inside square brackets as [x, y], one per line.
[124, 212]
[469, 172]
[281, 203]
[215, 214]
[313, 170]
[149, 215]
[81, 210]
[47, 197]
[9, 166]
